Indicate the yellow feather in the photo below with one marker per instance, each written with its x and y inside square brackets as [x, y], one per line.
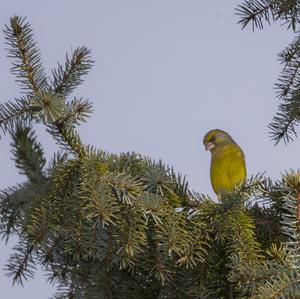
[227, 168]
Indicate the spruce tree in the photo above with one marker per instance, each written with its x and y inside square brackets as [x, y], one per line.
[124, 226]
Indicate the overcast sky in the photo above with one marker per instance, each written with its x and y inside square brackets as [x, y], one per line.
[166, 72]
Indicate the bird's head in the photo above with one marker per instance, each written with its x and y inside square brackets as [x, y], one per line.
[215, 139]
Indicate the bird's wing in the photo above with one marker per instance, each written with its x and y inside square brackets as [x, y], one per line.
[237, 168]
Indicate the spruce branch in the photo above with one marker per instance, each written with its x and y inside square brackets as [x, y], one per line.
[102, 207]
[289, 81]
[285, 286]
[291, 216]
[64, 174]
[21, 264]
[152, 206]
[283, 126]
[278, 276]
[157, 178]
[197, 245]
[58, 159]
[130, 237]
[124, 186]
[27, 64]
[28, 154]
[257, 12]
[60, 119]
[77, 110]
[256, 278]
[161, 179]
[49, 105]
[284, 123]
[12, 202]
[12, 113]
[66, 78]
[68, 139]
[50, 247]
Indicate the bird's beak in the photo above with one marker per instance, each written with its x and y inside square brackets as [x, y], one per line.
[209, 146]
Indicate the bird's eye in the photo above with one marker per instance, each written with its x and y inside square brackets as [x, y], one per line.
[213, 139]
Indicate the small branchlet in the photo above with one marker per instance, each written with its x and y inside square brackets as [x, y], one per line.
[28, 154]
[22, 49]
[257, 12]
[66, 78]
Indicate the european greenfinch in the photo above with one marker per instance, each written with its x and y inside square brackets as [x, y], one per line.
[227, 166]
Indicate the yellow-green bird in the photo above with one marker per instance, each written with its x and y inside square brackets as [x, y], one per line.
[227, 166]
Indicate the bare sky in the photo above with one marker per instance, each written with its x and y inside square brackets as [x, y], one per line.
[166, 71]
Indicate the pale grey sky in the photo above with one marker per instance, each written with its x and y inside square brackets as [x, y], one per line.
[166, 71]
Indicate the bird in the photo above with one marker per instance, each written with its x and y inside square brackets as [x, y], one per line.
[228, 165]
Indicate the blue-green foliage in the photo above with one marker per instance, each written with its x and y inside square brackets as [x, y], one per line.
[124, 226]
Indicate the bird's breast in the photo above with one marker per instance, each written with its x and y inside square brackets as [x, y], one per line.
[227, 168]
